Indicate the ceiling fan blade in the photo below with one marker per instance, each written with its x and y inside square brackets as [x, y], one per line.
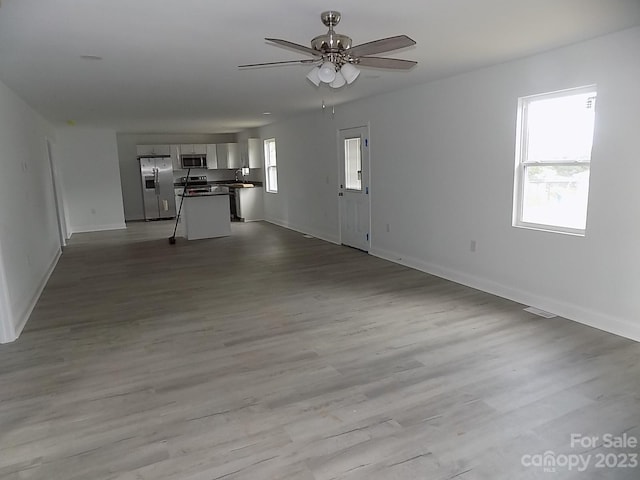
[286, 62]
[381, 46]
[295, 46]
[380, 62]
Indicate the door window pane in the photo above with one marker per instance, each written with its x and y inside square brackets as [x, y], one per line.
[353, 164]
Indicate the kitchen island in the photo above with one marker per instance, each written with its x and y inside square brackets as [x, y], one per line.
[205, 214]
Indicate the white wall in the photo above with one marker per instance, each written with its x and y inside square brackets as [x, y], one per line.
[306, 153]
[88, 159]
[130, 169]
[442, 162]
[29, 241]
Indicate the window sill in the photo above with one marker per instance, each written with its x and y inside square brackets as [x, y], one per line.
[551, 229]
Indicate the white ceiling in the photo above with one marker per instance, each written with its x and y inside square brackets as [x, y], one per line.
[171, 66]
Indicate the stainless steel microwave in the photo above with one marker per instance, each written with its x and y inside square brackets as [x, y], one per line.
[192, 160]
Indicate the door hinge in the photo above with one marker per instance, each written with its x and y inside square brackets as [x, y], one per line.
[367, 237]
[366, 190]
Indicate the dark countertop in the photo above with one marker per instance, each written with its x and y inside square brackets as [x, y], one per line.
[231, 182]
[202, 194]
[222, 183]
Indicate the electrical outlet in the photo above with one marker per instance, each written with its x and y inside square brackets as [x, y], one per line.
[472, 246]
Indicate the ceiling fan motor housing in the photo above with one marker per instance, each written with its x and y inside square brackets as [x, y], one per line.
[331, 42]
[332, 45]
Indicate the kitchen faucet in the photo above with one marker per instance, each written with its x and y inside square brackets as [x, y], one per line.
[239, 171]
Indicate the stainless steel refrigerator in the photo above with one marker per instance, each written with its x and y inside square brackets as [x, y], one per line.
[158, 193]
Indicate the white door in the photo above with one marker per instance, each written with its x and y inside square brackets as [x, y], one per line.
[354, 187]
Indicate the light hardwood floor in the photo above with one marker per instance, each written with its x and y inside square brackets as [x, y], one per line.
[267, 355]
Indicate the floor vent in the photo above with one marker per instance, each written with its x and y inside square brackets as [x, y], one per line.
[539, 312]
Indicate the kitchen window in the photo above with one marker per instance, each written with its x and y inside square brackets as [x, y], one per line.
[553, 160]
[271, 167]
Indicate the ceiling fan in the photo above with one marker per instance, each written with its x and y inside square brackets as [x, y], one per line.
[336, 60]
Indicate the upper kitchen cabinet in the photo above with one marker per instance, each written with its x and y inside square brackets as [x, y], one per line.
[234, 155]
[193, 149]
[153, 150]
[254, 146]
[175, 157]
[250, 153]
[228, 155]
[212, 157]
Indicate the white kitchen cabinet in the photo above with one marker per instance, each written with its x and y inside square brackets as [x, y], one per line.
[193, 149]
[250, 154]
[254, 146]
[234, 156]
[175, 157]
[249, 204]
[212, 157]
[222, 152]
[153, 150]
[206, 216]
[228, 155]
[243, 148]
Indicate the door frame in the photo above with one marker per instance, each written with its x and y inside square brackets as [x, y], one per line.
[56, 182]
[339, 147]
[7, 330]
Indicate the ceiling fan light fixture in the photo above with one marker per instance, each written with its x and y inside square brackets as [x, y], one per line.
[339, 81]
[327, 72]
[313, 76]
[349, 72]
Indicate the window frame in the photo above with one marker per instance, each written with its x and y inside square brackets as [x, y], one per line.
[522, 162]
[270, 164]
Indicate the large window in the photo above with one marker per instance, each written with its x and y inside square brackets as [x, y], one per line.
[271, 168]
[555, 134]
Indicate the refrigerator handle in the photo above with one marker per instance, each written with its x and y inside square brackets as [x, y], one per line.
[156, 180]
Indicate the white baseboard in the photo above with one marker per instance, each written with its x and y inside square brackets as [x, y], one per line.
[576, 313]
[98, 228]
[22, 318]
[304, 230]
